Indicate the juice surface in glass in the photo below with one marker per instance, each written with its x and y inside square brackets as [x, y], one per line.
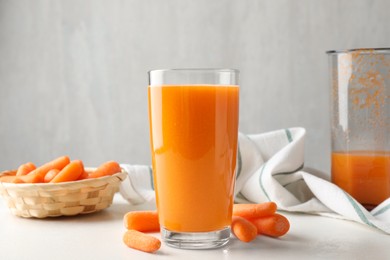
[365, 175]
[194, 131]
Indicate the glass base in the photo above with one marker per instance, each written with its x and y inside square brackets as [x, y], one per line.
[196, 240]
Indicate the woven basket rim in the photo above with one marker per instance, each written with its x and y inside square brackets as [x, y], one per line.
[120, 175]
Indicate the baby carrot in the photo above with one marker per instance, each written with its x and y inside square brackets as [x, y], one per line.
[275, 226]
[71, 172]
[250, 211]
[28, 178]
[84, 175]
[8, 173]
[107, 168]
[140, 241]
[25, 168]
[144, 221]
[243, 229]
[50, 175]
[58, 163]
[8, 178]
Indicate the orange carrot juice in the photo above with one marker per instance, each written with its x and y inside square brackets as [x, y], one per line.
[364, 175]
[194, 131]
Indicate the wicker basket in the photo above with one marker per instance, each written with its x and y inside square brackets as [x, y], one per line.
[41, 200]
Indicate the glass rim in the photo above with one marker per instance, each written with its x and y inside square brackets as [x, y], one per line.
[364, 50]
[196, 70]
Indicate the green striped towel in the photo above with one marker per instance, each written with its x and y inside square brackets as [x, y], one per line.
[270, 168]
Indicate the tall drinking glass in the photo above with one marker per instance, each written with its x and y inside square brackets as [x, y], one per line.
[360, 104]
[193, 115]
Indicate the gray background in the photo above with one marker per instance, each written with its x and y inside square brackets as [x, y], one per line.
[73, 73]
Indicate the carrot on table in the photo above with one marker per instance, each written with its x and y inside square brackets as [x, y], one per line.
[58, 163]
[144, 221]
[70, 172]
[50, 175]
[275, 226]
[250, 211]
[243, 229]
[107, 168]
[140, 241]
[25, 169]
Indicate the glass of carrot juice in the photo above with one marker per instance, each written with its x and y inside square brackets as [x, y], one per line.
[360, 112]
[193, 115]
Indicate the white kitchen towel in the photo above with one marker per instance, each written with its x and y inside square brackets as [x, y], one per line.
[270, 168]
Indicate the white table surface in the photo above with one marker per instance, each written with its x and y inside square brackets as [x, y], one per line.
[99, 236]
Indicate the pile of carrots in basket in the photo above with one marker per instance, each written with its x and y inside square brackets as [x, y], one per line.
[61, 169]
